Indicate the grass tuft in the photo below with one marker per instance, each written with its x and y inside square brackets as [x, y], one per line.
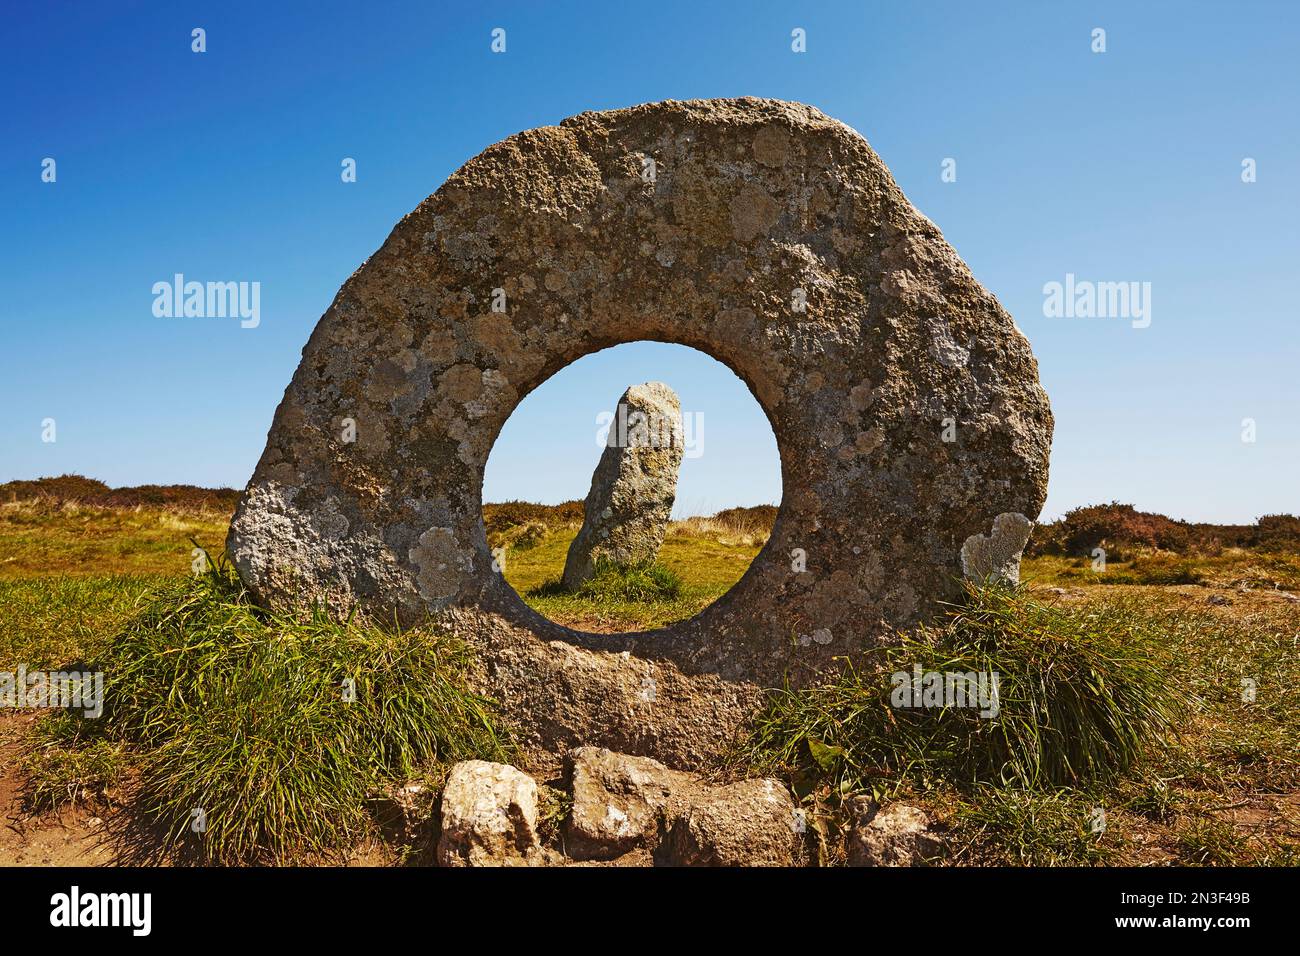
[1081, 695]
[65, 766]
[237, 718]
[1014, 827]
[613, 584]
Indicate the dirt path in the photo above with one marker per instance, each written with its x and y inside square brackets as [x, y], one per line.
[75, 837]
[80, 835]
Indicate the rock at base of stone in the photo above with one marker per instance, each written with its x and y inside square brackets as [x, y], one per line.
[996, 556]
[489, 817]
[897, 835]
[750, 823]
[624, 807]
[633, 487]
[618, 801]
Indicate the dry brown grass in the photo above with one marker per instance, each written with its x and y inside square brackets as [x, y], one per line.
[726, 531]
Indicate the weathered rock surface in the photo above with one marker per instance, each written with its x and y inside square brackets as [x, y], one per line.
[489, 817]
[633, 487]
[895, 835]
[764, 233]
[624, 808]
[996, 557]
[750, 823]
[618, 802]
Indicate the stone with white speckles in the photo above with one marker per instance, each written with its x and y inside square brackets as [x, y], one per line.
[552, 245]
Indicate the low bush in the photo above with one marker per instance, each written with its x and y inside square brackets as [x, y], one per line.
[87, 491]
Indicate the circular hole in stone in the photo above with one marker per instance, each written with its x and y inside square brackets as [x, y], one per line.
[613, 503]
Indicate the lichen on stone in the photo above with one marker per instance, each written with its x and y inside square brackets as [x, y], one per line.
[549, 246]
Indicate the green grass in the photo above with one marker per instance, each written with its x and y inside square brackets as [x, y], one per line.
[692, 571]
[238, 717]
[46, 622]
[612, 584]
[1080, 693]
[1008, 826]
[216, 705]
[62, 766]
[39, 539]
[1110, 741]
[1209, 842]
[1233, 567]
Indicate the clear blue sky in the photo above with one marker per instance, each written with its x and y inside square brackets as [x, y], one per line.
[225, 165]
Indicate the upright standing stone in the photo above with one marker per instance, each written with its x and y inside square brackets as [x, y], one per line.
[765, 234]
[633, 487]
